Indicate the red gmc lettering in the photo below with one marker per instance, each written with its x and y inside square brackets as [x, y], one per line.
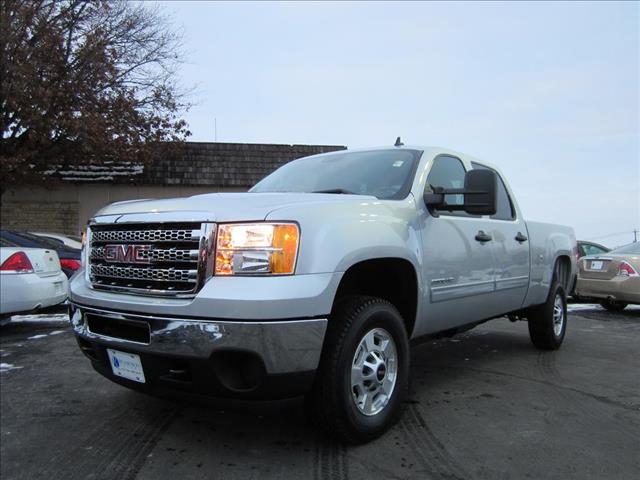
[126, 253]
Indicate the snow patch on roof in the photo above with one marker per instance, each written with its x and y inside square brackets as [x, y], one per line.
[97, 173]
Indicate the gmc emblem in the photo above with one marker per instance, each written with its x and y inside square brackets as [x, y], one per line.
[126, 253]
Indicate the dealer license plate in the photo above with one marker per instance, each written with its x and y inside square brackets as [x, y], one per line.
[596, 265]
[126, 365]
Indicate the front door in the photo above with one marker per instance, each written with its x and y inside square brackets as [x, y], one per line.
[459, 265]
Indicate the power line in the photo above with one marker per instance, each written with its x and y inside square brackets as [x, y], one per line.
[635, 233]
[612, 234]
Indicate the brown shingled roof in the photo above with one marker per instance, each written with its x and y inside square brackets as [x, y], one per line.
[235, 165]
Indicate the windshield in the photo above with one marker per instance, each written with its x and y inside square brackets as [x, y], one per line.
[386, 174]
[633, 248]
[24, 239]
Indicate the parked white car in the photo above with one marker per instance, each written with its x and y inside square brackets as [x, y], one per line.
[30, 279]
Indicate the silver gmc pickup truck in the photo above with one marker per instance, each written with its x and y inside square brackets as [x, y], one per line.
[316, 281]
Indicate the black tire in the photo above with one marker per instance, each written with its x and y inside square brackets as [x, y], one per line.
[613, 305]
[542, 320]
[331, 404]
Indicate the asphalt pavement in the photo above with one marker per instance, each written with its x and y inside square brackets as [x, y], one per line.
[483, 405]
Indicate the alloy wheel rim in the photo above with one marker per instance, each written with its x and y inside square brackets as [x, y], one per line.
[558, 315]
[374, 371]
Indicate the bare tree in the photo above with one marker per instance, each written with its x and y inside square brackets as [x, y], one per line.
[83, 82]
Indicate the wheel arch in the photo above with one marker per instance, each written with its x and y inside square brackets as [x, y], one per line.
[562, 272]
[394, 279]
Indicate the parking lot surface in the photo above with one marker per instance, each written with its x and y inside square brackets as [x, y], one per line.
[483, 405]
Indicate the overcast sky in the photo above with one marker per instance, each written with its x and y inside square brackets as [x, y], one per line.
[549, 92]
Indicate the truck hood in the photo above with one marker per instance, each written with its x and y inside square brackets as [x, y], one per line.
[220, 207]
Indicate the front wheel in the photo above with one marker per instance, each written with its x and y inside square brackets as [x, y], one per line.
[363, 376]
[613, 305]
[548, 322]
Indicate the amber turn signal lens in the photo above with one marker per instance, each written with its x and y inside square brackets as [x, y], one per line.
[285, 243]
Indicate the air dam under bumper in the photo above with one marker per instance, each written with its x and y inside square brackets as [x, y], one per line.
[268, 359]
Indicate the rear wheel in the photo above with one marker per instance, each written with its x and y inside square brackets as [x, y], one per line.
[363, 376]
[613, 305]
[548, 322]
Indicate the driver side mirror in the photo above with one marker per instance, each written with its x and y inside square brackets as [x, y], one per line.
[480, 193]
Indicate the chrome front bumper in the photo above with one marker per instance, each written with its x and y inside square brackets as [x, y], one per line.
[287, 346]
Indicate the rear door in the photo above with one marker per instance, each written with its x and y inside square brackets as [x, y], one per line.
[510, 245]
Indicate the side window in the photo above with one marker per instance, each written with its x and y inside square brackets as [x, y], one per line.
[505, 210]
[448, 172]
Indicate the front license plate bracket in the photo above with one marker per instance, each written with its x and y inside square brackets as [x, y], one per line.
[126, 365]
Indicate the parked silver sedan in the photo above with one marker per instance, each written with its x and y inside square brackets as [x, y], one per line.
[612, 278]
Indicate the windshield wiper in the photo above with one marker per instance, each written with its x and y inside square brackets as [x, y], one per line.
[336, 190]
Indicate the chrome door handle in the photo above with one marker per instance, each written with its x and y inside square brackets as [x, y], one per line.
[520, 237]
[483, 237]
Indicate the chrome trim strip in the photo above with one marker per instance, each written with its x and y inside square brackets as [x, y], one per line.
[442, 281]
[150, 317]
[461, 290]
[512, 282]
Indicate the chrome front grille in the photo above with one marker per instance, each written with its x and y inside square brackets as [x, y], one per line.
[146, 235]
[151, 258]
[153, 274]
[156, 255]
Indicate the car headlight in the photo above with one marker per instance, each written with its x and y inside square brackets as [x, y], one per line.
[257, 249]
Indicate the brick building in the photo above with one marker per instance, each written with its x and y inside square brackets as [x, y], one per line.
[70, 200]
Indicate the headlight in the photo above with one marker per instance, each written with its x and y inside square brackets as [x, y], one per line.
[258, 249]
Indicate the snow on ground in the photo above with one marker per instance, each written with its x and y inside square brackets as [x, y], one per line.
[55, 332]
[576, 307]
[5, 367]
[44, 318]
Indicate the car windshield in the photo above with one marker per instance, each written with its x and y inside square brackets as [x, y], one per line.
[24, 239]
[633, 248]
[386, 174]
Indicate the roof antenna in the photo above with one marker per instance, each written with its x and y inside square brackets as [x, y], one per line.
[398, 143]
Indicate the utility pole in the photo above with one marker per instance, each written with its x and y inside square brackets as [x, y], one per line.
[635, 235]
